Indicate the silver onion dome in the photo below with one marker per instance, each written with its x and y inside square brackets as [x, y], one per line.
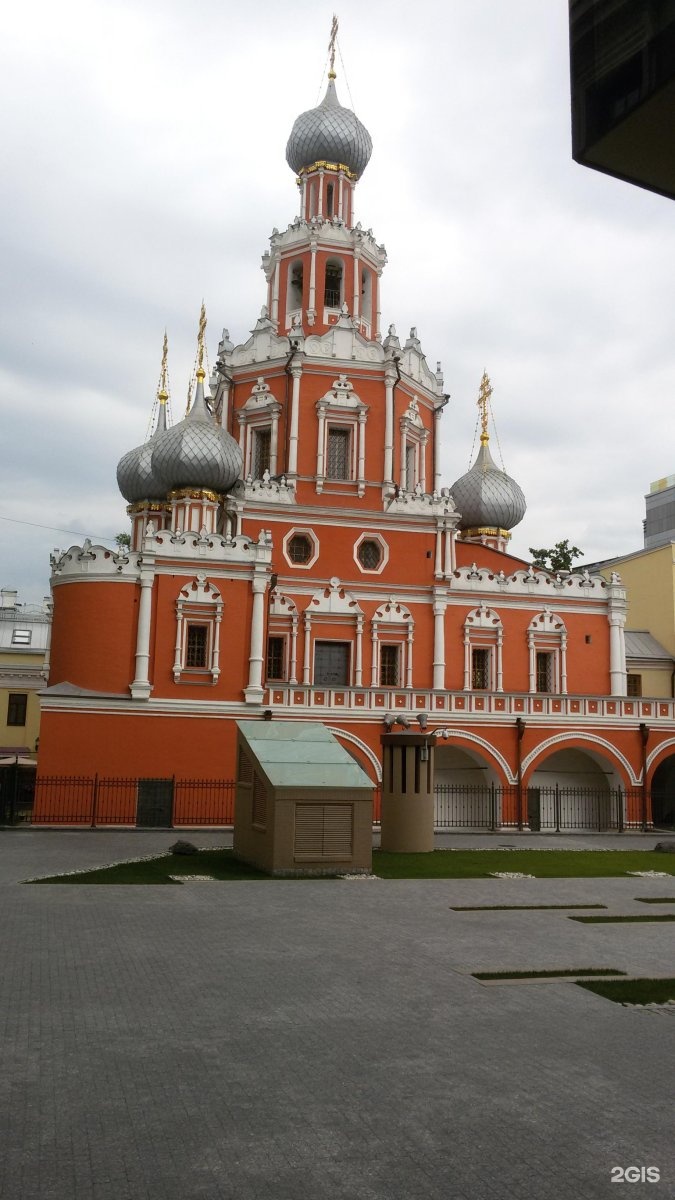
[486, 497]
[196, 453]
[329, 133]
[135, 477]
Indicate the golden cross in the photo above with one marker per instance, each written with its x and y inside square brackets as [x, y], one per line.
[331, 45]
[163, 393]
[483, 401]
[200, 338]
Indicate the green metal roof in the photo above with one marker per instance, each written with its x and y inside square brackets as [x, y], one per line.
[302, 754]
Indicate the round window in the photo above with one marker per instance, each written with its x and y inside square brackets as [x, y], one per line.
[300, 548]
[370, 555]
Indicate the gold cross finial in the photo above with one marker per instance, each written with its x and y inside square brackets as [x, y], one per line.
[163, 393]
[200, 342]
[331, 46]
[483, 401]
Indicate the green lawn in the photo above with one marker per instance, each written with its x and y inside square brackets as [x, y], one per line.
[440, 864]
[628, 920]
[546, 974]
[633, 991]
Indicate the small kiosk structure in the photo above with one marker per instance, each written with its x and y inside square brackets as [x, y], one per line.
[304, 806]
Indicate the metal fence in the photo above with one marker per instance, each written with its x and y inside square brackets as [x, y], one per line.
[95, 801]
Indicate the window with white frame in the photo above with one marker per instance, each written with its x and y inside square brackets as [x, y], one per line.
[547, 646]
[341, 437]
[199, 613]
[483, 641]
[22, 637]
[390, 665]
[262, 449]
[338, 456]
[393, 631]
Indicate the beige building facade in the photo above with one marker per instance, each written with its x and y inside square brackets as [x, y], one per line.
[24, 650]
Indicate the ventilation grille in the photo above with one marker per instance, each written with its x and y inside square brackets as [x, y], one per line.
[323, 831]
[245, 768]
[259, 805]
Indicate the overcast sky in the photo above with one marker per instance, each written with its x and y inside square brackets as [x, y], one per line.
[144, 168]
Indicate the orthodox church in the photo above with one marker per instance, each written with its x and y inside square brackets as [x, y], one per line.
[295, 554]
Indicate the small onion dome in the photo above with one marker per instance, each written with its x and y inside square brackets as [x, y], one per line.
[135, 477]
[329, 133]
[196, 453]
[486, 497]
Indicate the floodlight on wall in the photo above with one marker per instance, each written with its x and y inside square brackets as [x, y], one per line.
[441, 733]
[389, 720]
[404, 721]
[422, 720]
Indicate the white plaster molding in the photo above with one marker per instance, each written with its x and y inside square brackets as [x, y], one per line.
[355, 741]
[271, 491]
[583, 737]
[466, 736]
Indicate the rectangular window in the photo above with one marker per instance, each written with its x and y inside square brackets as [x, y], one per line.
[331, 664]
[275, 657]
[544, 671]
[338, 454]
[410, 479]
[480, 669]
[389, 666]
[21, 637]
[16, 708]
[195, 651]
[634, 685]
[262, 448]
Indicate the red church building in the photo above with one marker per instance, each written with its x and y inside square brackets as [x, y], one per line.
[296, 555]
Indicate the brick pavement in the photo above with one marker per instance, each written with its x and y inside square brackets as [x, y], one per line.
[317, 1040]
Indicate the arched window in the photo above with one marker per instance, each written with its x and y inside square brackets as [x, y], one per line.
[483, 638]
[199, 614]
[333, 285]
[547, 645]
[294, 293]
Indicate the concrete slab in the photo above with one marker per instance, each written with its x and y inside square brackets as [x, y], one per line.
[317, 1040]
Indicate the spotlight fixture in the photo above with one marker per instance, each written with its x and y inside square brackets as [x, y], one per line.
[389, 720]
[422, 719]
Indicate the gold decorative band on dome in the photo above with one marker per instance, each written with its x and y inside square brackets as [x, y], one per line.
[148, 506]
[485, 531]
[195, 494]
[321, 164]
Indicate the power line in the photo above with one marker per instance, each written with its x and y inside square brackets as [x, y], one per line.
[103, 537]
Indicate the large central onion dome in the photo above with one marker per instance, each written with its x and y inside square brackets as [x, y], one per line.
[329, 133]
[196, 453]
[135, 477]
[488, 498]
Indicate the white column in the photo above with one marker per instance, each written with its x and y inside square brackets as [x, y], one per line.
[255, 691]
[467, 662]
[225, 407]
[140, 688]
[438, 563]
[311, 311]
[389, 380]
[320, 204]
[293, 670]
[308, 649]
[178, 643]
[533, 662]
[439, 646]
[437, 450]
[403, 473]
[296, 372]
[449, 558]
[340, 183]
[358, 666]
[215, 659]
[374, 670]
[357, 286]
[274, 439]
[616, 616]
[274, 315]
[500, 669]
[321, 410]
[303, 198]
[563, 664]
[423, 461]
[378, 313]
[409, 664]
[361, 477]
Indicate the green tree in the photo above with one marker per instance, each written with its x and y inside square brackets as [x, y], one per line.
[123, 541]
[559, 558]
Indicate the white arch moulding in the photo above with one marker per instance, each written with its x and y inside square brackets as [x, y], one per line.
[656, 752]
[560, 738]
[355, 741]
[472, 737]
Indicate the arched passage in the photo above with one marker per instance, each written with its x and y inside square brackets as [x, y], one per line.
[467, 789]
[663, 794]
[574, 788]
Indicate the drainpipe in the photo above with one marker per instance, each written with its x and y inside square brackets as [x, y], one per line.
[644, 737]
[520, 734]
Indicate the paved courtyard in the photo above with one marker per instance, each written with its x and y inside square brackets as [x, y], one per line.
[320, 1040]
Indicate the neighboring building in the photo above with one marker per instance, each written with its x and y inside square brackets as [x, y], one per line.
[659, 522]
[24, 649]
[622, 56]
[298, 557]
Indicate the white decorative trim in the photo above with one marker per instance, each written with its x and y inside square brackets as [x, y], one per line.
[583, 737]
[655, 753]
[370, 754]
[199, 602]
[478, 741]
[301, 531]
[372, 537]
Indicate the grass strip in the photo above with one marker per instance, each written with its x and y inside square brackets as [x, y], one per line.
[517, 907]
[633, 991]
[545, 974]
[655, 899]
[439, 864]
[631, 920]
